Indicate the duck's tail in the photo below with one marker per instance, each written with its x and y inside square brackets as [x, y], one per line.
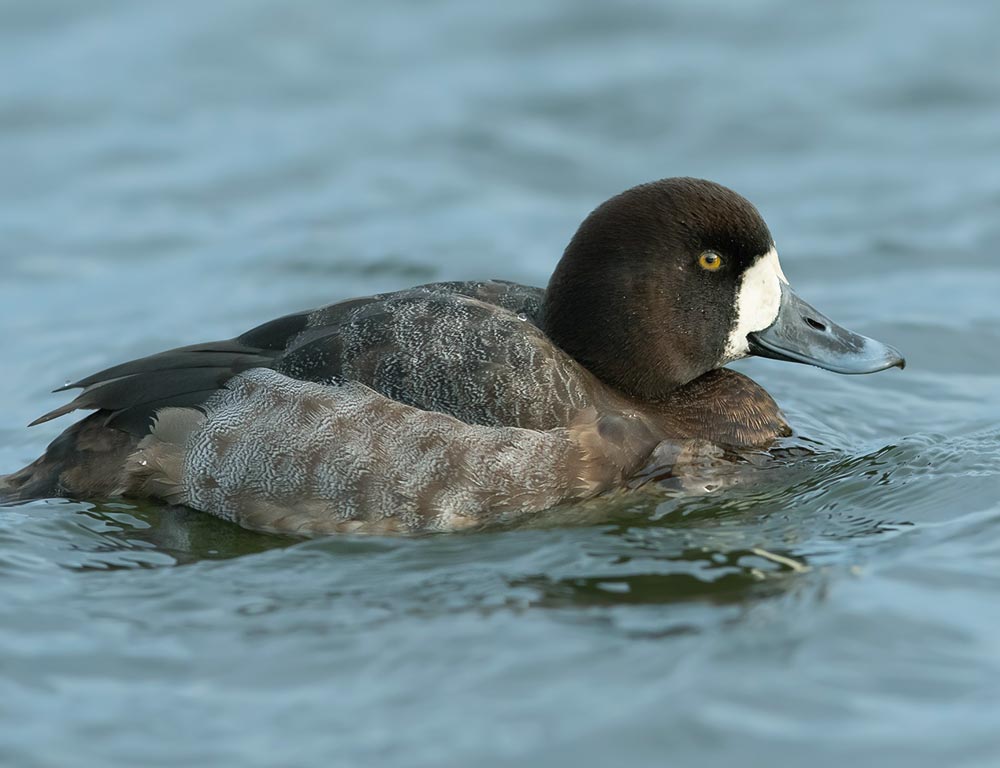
[21, 485]
[8, 494]
[85, 461]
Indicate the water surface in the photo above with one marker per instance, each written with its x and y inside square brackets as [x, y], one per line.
[175, 172]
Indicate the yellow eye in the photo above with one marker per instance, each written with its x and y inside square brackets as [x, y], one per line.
[710, 261]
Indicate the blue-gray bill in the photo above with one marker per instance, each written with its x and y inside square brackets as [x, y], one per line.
[801, 334]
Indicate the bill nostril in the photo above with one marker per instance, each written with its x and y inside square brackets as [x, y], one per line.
[812, 322]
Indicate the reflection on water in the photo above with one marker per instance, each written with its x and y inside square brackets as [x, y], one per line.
[721, 578]
[132, 534]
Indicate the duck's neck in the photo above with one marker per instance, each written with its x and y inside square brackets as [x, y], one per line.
[604, 337]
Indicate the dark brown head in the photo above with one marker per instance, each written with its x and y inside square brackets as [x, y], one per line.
[675, 278]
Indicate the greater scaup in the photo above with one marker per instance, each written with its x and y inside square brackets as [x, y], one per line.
[455, 405]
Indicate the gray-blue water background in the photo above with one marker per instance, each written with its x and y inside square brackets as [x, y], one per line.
[173, 172]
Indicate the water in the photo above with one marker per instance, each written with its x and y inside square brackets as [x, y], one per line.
[176, 172]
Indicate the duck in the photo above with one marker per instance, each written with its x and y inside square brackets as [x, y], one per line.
[460, 405]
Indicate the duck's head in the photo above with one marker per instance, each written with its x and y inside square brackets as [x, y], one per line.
[673, 279]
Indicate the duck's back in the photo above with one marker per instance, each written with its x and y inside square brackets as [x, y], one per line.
[472, 350]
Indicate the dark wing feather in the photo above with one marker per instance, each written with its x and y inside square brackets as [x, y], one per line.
[132, 392]
[138, 389]
[217, 355]
[136, 420]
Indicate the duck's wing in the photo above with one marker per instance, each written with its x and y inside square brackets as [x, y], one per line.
[473, 350]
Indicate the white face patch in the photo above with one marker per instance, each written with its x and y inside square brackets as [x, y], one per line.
[758, 300]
